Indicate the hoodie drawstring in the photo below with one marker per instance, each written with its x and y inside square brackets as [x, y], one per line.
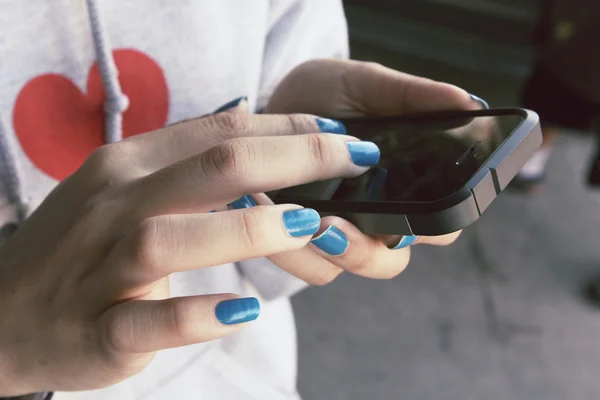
[115, 105]
[116, 101]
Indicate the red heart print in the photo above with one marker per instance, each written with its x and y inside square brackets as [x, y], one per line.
[58, 125]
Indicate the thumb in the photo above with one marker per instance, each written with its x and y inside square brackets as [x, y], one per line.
[144, 326]
[344, 88]
[379, 90]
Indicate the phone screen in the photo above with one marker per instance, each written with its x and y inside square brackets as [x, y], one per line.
[422, 160]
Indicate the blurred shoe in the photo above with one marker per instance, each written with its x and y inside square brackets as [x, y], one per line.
[527, 184]
[592, 292]
[594, 171]
[533, 174]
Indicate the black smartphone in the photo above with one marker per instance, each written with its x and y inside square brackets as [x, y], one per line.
[438, 172]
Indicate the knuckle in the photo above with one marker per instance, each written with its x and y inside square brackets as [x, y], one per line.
[299, 123]
[251, 234]
[181, 321]
[104, 168]
[319, 150]
[234, 123]
[103, 160]
[147, 247]
[203, 126]
[118, 333]
[101, 156]
[228, 160]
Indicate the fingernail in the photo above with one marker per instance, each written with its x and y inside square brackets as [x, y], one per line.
[237, 311]
[332, 241]
[481, 101]
[331, 126]
[364, 154]
[405, 242]
[233, 103]
[243, 202]
[301, 222]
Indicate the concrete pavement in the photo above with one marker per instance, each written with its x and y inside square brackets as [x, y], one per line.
[499, 315]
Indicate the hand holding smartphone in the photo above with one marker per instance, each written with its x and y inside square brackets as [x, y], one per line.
[438, 172]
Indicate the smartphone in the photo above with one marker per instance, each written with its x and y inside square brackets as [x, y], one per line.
[438, 172]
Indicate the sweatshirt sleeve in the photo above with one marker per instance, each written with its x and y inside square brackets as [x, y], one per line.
[300, 30]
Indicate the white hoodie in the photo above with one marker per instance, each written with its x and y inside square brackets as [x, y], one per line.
[174, 60]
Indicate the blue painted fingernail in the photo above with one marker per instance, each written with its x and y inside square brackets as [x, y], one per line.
[229, 105]
[243, 202]
[331, 126]
[364, 154]
[332, 241]
[302, 222]
[405, 242]
[237, 311]
[481, 101]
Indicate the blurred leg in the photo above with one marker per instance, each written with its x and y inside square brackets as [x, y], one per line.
[533, 171]
[557, 105]
[594, 171]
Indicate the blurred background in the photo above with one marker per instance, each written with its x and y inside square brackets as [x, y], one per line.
[505, 313]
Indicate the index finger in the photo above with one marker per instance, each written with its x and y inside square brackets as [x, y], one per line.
[236, 167]
[157, 149]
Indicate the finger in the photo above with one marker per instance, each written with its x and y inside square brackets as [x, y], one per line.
[344, 245]
[157, 149]
[399, 242]
[383, 91]
[441, 240]
[145, 326]
[303, 263]
[166, 244]
[249, 165]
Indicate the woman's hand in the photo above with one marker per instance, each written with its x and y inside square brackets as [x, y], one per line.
[339, 88]
[344, 88]
[84, 295]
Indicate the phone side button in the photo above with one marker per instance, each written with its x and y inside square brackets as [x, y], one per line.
[484, 192]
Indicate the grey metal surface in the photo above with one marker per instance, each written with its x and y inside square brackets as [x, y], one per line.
[498, 315]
